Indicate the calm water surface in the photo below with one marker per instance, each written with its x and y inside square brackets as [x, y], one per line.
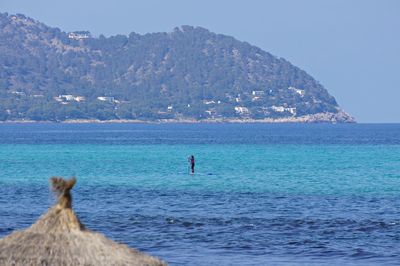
[262, 194]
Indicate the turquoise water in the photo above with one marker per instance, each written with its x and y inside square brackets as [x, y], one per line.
[289, 169]
[282, 194]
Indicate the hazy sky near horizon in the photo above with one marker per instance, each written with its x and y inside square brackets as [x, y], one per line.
[352, 47]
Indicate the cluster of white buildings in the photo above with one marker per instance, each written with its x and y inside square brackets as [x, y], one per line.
[255, 95]
[69, 98]
[66, 98]
[240, 109]
[281, 109]
[78, 35]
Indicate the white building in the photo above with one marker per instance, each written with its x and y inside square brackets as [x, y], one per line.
[281, 109]
[241, 110]
[207, 102]
[78, 35]
[258, 93]
[79, 98]
[20, 93]
[106, 99]
[67, 97]
[291, 110]
[298, 91]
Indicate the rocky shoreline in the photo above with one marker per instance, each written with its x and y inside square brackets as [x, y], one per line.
[333, 118]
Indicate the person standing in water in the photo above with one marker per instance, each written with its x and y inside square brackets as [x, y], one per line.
[191, 162]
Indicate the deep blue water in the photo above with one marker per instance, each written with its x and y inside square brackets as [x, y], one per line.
[263, 194]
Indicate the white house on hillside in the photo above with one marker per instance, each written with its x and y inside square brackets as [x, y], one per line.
[281, 109]
[257, 93]
[298, 91]
[106, 99]
[78, 35]
[241, 110]
[67, 97]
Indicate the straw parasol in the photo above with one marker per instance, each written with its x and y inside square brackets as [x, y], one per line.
[59, 238]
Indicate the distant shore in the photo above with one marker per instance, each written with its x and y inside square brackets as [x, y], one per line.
[333, 118]
[315, 118]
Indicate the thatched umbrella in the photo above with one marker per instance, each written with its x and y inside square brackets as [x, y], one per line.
[58, 238]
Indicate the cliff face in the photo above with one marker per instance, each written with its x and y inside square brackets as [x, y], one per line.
[187, 73]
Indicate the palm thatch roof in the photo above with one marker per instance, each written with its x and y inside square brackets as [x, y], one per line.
[59, 238]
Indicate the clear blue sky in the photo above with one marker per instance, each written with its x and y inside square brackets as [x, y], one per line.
[352, 47]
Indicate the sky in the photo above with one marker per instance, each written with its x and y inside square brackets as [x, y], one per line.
[352, 47]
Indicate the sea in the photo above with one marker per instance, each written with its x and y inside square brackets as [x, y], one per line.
[262, 194]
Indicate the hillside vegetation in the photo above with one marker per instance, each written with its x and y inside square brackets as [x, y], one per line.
[50, 75]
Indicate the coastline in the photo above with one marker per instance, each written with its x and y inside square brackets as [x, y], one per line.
[332, 118]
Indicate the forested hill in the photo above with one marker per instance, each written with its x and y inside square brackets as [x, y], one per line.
[189, 73]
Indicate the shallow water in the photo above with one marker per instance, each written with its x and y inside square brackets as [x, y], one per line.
[262, 194]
